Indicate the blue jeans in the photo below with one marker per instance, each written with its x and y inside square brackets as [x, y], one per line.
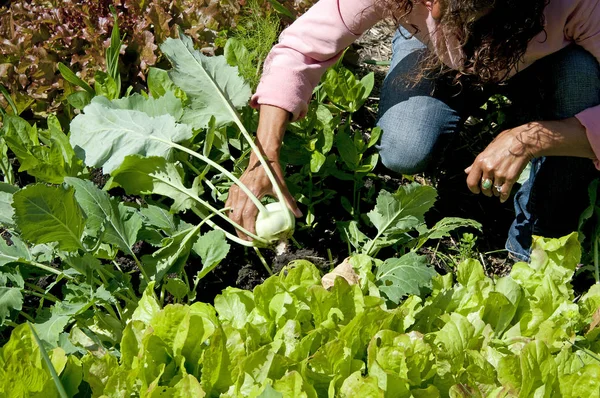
[416, 119]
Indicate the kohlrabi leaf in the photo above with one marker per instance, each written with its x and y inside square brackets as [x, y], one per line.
[213, 87]
[160, 218]
[94, 202]
[397, 213]
[154, 175]
[212, 247]
[11, 299]
[46, 155]
[409, 274]
[103, 136]
[120, 223]
[15, 253]
[6, 198]
[443, 228]
[167, 104]
[172, 256]
[47, 214]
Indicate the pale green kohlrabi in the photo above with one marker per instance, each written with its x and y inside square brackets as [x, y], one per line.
[275, 223]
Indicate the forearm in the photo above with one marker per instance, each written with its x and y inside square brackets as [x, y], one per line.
[272, 124]
[565, 137]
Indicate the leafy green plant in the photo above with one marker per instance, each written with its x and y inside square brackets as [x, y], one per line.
[256, 32]
[154, 127]
[331, 147]
[590, 223]
[395, 216]
[38, 34]
[519, 335]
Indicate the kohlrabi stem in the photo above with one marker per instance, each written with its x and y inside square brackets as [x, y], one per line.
[263, 261]
[201, 173]
[596, 255]
[223, 170]
[229, 235]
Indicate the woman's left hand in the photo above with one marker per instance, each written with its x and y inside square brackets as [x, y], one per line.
[498, 167]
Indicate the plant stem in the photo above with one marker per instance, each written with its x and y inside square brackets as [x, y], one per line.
[596, 259]
[40, 295]
[227, 234]
[27, 316]
[263, 261]
[49, 296]
[223, 170]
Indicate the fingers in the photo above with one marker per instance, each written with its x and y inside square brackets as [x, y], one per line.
[473, 178]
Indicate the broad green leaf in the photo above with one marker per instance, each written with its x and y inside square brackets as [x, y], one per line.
[49, 160]
[397, 213]
[159, 217]
[147, 306]
[154, 175]
[345, 90]
[353, 235]
[47, 214]
[234, 306]
[282, 10]
[583, 383]
[103, 137]
[22, 372]
[443, 228]
[409, 274]
[11, 299]
[121, 223]
[292, 385]
[539, 371]
[167, 104]
[94, 202]
[317, 160]
[469, 272]
[172, 256]
[72, 78]
[348, 151]
[50, 330]
[400, 361]
[159, 83]
[400, 211]
[236, 53]
[178, 288]
[105, 85]
[213, 87]
[212, 247]
[357, 386]
[16, 253]
[187, 386]
[6, 198]
[79, 99]
[270, 392]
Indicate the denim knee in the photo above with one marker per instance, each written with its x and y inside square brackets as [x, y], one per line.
[574, 79]
[411, 131]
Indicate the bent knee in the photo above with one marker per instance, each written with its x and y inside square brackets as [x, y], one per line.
[411, 131]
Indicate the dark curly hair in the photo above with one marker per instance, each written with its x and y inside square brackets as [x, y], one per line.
[494, 35]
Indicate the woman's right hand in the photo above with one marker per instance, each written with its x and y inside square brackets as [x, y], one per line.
[269, 136]
[242, 210]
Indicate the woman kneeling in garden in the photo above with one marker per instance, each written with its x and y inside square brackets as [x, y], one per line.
[447, 56]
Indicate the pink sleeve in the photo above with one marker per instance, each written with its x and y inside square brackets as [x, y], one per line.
[583, 27]
[307, 48]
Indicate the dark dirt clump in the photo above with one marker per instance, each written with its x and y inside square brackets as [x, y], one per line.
[292, 254]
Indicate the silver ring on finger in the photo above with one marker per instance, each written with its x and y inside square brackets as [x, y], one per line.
[498, 188]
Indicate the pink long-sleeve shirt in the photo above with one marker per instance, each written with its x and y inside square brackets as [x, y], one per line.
[315, 41]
